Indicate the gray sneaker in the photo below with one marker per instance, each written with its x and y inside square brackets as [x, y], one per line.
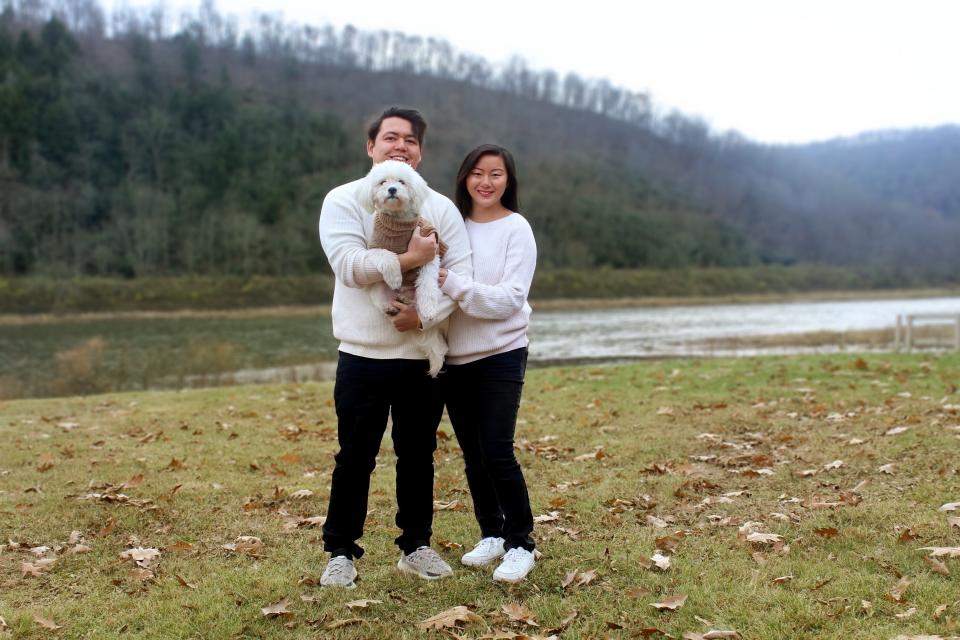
[340, 572]
[426, 563]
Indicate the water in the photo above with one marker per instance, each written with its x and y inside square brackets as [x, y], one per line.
[687, 330]
[51, 359]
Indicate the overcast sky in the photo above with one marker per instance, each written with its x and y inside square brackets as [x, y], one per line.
[775, 70]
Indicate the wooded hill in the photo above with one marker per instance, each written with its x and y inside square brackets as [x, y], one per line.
[133, 149]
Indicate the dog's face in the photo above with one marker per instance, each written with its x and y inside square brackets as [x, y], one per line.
[395, 189]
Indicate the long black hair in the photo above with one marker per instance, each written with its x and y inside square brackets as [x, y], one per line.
[510, 198]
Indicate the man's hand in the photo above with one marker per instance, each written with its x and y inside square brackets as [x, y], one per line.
[442, 276]
[420, 251]
[406, 318]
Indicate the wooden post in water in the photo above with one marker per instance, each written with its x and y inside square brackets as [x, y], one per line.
[898, 334]
[909, 339]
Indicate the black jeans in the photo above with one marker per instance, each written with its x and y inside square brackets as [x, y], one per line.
[366, 391]
[482, 400]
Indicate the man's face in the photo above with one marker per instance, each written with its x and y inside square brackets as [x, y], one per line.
[395, 141]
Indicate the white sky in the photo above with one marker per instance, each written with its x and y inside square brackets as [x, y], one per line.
[775, 70]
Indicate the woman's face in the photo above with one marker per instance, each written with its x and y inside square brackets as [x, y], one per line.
[487, 181]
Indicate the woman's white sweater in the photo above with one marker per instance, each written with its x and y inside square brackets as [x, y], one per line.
[493, 313]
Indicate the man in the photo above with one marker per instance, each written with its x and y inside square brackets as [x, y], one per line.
[381, 371]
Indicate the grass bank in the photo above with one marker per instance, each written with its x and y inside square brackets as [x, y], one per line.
[790, 498]
[200, 293]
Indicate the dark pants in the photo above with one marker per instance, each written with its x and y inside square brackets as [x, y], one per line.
[366, 391]
[482, 400]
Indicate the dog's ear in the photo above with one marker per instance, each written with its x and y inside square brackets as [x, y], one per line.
[419, 191]
[365, 193]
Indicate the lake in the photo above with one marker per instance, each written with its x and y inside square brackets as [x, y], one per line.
[60, 358]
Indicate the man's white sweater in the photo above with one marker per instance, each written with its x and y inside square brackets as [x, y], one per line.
[493, 312]
[345, 230]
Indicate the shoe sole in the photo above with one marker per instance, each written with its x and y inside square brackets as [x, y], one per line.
[402, 566]
[478, 563]
[510, 580]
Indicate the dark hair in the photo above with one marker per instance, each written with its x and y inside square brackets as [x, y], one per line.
[414, 117]
[510, 199]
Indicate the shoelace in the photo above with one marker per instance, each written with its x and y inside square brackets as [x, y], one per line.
[339, 567]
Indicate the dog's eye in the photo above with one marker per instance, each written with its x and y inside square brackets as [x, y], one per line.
[402, 182]
[383, 182]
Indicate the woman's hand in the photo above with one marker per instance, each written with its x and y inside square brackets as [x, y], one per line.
[406, 318]
[442, 276]
[420, 251]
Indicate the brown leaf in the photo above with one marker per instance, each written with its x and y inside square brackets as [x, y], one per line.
[889, 469]
[671, 603]
[36, 569]
[133, 482]
[713, 634]
[896, 595]
[361, 604]
[586, 577]
[764, 538]
[46, 623]
[450, 618]
[670, 542]
[569, 578]
[250, 545]
[827, 532]
[277, 609]
[936, 566]
[453, 505]
[141, 575]
[909, 613]
[175, 464]
[336, 624]
[936, 552]
[954, 522]
[184, 583]
[939, 611]
[519, 613]
[292, 458]
[781, 580]
[180, 546]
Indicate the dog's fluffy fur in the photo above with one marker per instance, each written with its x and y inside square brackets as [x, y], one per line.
[394, 190]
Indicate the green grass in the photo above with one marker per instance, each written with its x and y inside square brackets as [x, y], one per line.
[225, 448]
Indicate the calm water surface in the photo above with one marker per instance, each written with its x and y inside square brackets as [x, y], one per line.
[46, 359]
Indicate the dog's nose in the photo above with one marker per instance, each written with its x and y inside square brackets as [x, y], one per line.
[392, 191]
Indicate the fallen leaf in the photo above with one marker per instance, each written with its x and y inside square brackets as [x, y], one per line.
[133, 482]
[896, 595]
[277, 609]
[764, 538]
[38, 568]
[80, 548]
[939, 611]
[453, 505]
[896, 431]
[361, 604]
[660, 561]
[180, 546]
[936, 552]
[827, 532]
[184, 583]
[950, 506]
[300, 494]
[141, 556]
[909, 613]
[671, 603]
[569, 578]
[936, 566]
[954, 522]
[141, 575]
[836, 464]
[250, 545]
[450, 618]
[889, 469]
[782, 580]
[519, 613]
[713, 634]
[46, 623]
[336, 624]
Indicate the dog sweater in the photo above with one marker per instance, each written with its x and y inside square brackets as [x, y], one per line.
[394, 235]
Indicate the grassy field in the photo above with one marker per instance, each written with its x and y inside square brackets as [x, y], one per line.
[791, 498]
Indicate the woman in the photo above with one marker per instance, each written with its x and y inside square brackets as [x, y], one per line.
[488, 357]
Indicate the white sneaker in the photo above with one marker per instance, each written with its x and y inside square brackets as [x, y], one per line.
[426, 563]
[340, 572]
[486, 551]
[517, 563]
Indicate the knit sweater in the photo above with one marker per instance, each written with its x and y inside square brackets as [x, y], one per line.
[493, 313]
[394, 235]
[345, 232]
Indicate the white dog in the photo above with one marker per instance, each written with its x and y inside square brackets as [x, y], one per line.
[395, 193]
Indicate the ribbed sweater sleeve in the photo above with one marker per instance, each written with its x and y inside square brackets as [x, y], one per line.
[505, 298]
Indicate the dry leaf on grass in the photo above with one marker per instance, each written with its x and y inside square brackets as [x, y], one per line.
[950, 506]
[361, 604]
[184, 583]
[277, 609]
[47, 623]
[936, 566]
[713, 634]
[250, 545]
[764, 538]
[671, 603]
[827, 532]
[578, 578]
[782, 580]
[450, 618]
[336, 624]
[520, 613]
[300, 494]
[38, 568]
[909, 613]
[141, 557]
[954, 522]
[896, 595]
[936, 552]
[889, 469]
[896, 431]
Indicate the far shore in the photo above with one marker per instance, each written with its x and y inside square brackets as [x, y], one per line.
[558, 304]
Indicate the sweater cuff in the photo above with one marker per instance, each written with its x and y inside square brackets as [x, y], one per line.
[454, 286]
[366, 270]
